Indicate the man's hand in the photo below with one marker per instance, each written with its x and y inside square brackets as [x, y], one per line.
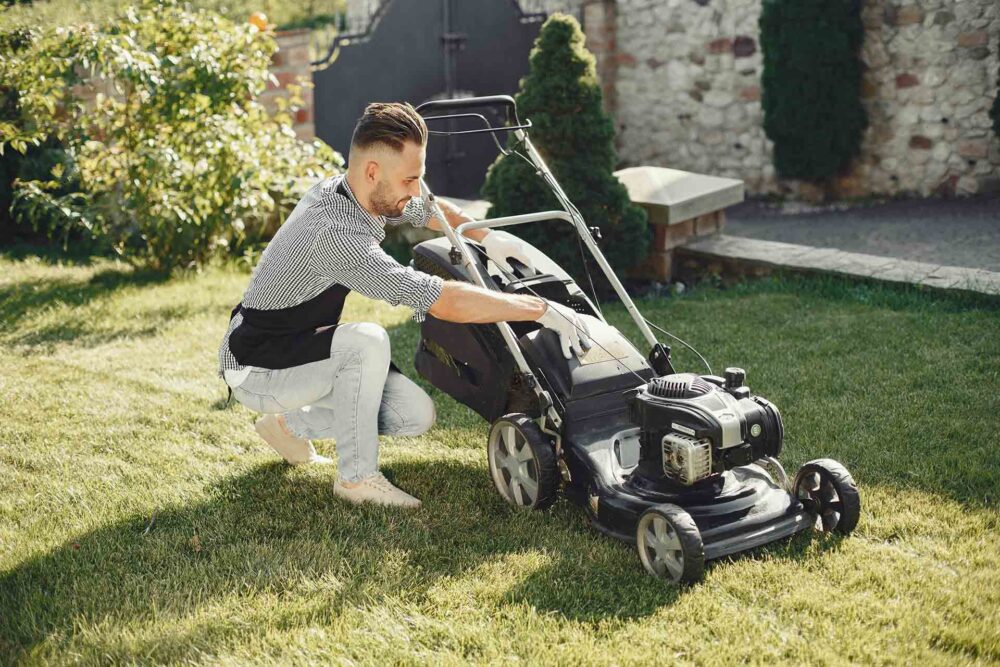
[501, 247]
[571, 327]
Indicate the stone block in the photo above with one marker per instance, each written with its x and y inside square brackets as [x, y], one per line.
[668, 237]
[683, 195]
[920, 142]
[905, 271]
[656, 266]
[707, 224]
[744, 46]
[970, 39]
[281, 79]
[723, 45]
[906, 80]
[952, 277]
[943, 18]
[974, 150]
[908, 15]
[305, 131]
[750, 94]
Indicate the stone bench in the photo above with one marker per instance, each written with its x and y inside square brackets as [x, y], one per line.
[680, 206]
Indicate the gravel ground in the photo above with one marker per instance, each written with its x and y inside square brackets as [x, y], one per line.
[952, 232]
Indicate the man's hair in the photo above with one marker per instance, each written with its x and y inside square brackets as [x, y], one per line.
[389, 123]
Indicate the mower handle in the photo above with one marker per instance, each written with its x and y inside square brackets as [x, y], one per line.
[505, 102]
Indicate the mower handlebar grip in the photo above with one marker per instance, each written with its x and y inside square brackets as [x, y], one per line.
[505, 102]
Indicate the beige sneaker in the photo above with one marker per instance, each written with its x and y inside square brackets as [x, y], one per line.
[374, 489]
[294, 450]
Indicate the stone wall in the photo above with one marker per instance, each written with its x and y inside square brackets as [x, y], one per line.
[683, 82]
[688, 95]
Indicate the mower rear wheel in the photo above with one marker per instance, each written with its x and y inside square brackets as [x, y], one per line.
[670, 544]
[829, 492]
[522, 462]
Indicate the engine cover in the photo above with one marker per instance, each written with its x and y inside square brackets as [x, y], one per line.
[693, 427]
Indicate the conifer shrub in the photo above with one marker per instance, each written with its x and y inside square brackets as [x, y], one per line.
[812, 85]
[561, 96]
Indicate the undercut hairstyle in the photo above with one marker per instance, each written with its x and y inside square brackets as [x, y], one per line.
[391, 124]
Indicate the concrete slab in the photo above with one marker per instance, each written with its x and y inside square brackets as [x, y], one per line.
[754, 252]
[681, 194]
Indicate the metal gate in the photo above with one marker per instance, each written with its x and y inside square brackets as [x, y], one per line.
[417, 50]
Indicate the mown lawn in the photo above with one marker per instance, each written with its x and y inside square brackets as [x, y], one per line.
[142, 521]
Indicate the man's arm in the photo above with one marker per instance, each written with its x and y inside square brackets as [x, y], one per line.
[456, 217]
[463, 302]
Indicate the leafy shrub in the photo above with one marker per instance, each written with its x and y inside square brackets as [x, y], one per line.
[176, 160]
[812, 85]
[562, 98]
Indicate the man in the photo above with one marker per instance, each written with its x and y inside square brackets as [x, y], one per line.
[286, 354]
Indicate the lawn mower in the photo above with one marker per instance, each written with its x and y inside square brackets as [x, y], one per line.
[683, 465]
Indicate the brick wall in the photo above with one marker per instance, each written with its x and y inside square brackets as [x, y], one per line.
[290, 63]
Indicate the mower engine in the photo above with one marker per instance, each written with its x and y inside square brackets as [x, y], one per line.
[694, 427]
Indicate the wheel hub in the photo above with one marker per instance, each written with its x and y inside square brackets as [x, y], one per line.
[515, 460]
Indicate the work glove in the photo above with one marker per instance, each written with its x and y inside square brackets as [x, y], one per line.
[500, 247]
[574, 333]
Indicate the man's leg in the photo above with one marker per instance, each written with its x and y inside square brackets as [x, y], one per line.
[348, 410]
[340, 398]
[406, 408]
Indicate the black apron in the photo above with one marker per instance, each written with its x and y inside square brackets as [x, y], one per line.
[287, 337]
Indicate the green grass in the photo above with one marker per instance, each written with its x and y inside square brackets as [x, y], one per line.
[116, 450]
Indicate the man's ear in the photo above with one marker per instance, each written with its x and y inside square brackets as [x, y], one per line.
[372, 169]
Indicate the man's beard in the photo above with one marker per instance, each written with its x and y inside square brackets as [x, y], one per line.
[383, 203]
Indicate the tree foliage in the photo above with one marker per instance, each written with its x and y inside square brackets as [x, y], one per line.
[562, 98]
[174, 159]
[812, 85]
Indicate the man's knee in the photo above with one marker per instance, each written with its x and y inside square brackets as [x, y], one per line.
[366, 337]
[426, 416]
[420, 414]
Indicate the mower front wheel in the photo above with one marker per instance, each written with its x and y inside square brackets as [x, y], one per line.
[522, 462]
[830, 494]
[670, 544]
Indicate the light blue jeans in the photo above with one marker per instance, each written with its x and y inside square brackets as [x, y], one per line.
[352, 397]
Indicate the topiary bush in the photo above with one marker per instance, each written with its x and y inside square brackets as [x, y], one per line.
[562, 98]
[812, 85]
[174, 159]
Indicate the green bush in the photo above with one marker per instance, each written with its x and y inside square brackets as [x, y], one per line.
[562, 98]
[175, 159]
[812, 85]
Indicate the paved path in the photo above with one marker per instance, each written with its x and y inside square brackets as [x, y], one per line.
[755, 252]
[955, 232]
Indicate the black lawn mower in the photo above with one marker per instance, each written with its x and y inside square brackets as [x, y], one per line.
[684, 466]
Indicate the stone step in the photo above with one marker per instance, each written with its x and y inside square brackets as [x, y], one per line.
[740, 254]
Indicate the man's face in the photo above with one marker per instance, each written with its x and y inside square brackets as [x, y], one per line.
[399, 177]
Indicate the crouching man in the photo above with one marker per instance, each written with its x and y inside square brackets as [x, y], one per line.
[286, 353]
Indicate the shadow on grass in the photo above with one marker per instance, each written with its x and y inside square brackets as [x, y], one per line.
[264, 532]
[20, 299]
